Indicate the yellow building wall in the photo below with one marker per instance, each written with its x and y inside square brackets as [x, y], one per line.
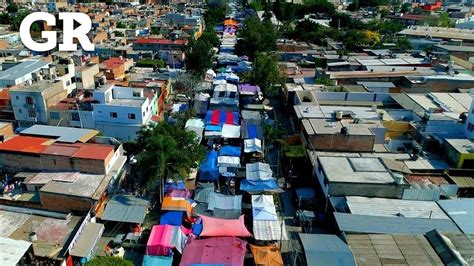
[396, 129]
[463, 157]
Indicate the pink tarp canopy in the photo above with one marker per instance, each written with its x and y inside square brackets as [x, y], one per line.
[163, 239]
[224, 227]
[229, 251]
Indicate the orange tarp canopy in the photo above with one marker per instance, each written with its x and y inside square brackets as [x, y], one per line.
[230, 22]
[266, 255]
[176, 204]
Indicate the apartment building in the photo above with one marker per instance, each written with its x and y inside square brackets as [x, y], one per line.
[120, 112]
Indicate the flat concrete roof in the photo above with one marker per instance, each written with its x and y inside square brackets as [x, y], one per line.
[52, 232]
[127, 102]
[330, 126]
[84, 185]
[355, 170]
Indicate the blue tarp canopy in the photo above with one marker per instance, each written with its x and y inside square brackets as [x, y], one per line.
[172, 217]
[228, 150]
[220, 117]
[213, 128]
[209, 171]
[259, 186]
[149, 260]
[174, 185]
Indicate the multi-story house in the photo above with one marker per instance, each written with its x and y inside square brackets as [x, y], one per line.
[120, 112]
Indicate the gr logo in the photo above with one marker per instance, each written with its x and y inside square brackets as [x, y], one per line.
[69, 32]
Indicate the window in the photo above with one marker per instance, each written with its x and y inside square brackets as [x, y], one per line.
[54, 115]
[131, 116]
[29, 100]
[221, 94]
[136, 94]
[113, 114]
[20, 111]
[75, 117]
[17, 97]
[32, 113]
[68, 83]
[232, 94]
[143, 114]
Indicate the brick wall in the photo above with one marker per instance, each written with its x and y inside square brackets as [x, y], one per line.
[340, 142]
[65, 203]
[391, 190]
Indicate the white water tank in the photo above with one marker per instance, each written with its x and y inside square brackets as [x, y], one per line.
[469, 126]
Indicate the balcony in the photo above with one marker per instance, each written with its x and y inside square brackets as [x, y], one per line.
[29, 105]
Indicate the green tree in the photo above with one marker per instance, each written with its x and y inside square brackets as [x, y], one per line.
[155, 63]
[215, 13]
[324, 81]
[15, 21]
[210, 36]
[266, 72]
[405, 8]
[255, 37]
[108, 261]
[12, 8]
[403, 43]
[165, 151]
[119, 33]
[199, 54]
[121, 25]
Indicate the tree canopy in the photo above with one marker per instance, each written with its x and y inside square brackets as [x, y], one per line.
[199, 54]
[210, 36]
[215, 13]
[255, 37]
[165, 151]
[109, 261]
[266, 72]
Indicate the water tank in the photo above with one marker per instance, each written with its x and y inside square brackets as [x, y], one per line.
[398, 178]
[339, 115]
[33, 237]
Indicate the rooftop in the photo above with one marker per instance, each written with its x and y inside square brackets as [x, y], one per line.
[330, 126]
[463, 146]
[384, 249]
[113, 63]
[62, 134]
[37, 145]
[439, 32]
[22, 69]
[356, 223]
[12, 250]
[159, 41]
[461, 211]
[355, 170]
[52, 229]
[325, 249]
[395, 208]
[127, 102]
[39, 86]
[84, 185]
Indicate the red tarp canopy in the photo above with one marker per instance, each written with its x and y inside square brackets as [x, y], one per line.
[215, 250]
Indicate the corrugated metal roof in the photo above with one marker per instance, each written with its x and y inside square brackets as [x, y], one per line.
[461, 211]
[22, 69]
[381, 249]
[126, 209]
[63, 134]
[355, 223]
[421, 194]
[395, 207]
[322, 249]
[463, 181]
[87, 239]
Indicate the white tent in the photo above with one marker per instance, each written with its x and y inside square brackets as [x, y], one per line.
[258, 171]
[228, 161]
[252, 145]
[263, 208]
[230, 131]
[269, 230]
